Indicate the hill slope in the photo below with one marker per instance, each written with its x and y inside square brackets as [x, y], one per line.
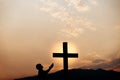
[81, 74]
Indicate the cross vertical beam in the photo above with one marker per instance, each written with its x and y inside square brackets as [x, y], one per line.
[65, 60]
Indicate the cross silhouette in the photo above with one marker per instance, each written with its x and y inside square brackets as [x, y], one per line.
[65, 57]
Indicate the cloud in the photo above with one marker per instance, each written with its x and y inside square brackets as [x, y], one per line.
[103, 64]
[115, 61]
[81, 5]
[72, 25]
[94, 56]
[115, 54]
[99, 61]
[73, 32]
[113, 65]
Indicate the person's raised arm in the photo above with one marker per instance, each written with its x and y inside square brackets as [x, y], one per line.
[50, 67]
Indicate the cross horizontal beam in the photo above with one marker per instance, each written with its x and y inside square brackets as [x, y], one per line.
[75, 55]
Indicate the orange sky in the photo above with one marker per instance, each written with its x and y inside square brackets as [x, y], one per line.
[31, 30]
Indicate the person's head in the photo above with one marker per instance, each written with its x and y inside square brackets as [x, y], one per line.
[39, 67]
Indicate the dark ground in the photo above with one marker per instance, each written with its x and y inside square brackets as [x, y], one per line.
[81, 74]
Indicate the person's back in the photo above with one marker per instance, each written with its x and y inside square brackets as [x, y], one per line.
[42, 75]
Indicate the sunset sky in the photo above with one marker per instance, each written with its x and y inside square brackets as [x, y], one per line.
[31, 30]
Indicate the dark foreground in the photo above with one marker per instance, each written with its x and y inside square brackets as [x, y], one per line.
[81, 74]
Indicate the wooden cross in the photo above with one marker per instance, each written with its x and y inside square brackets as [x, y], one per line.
[65, 57]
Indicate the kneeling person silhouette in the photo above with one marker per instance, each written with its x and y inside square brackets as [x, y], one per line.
[42, 74]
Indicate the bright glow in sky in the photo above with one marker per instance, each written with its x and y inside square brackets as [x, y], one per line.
[58, 48]
[31, 29]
